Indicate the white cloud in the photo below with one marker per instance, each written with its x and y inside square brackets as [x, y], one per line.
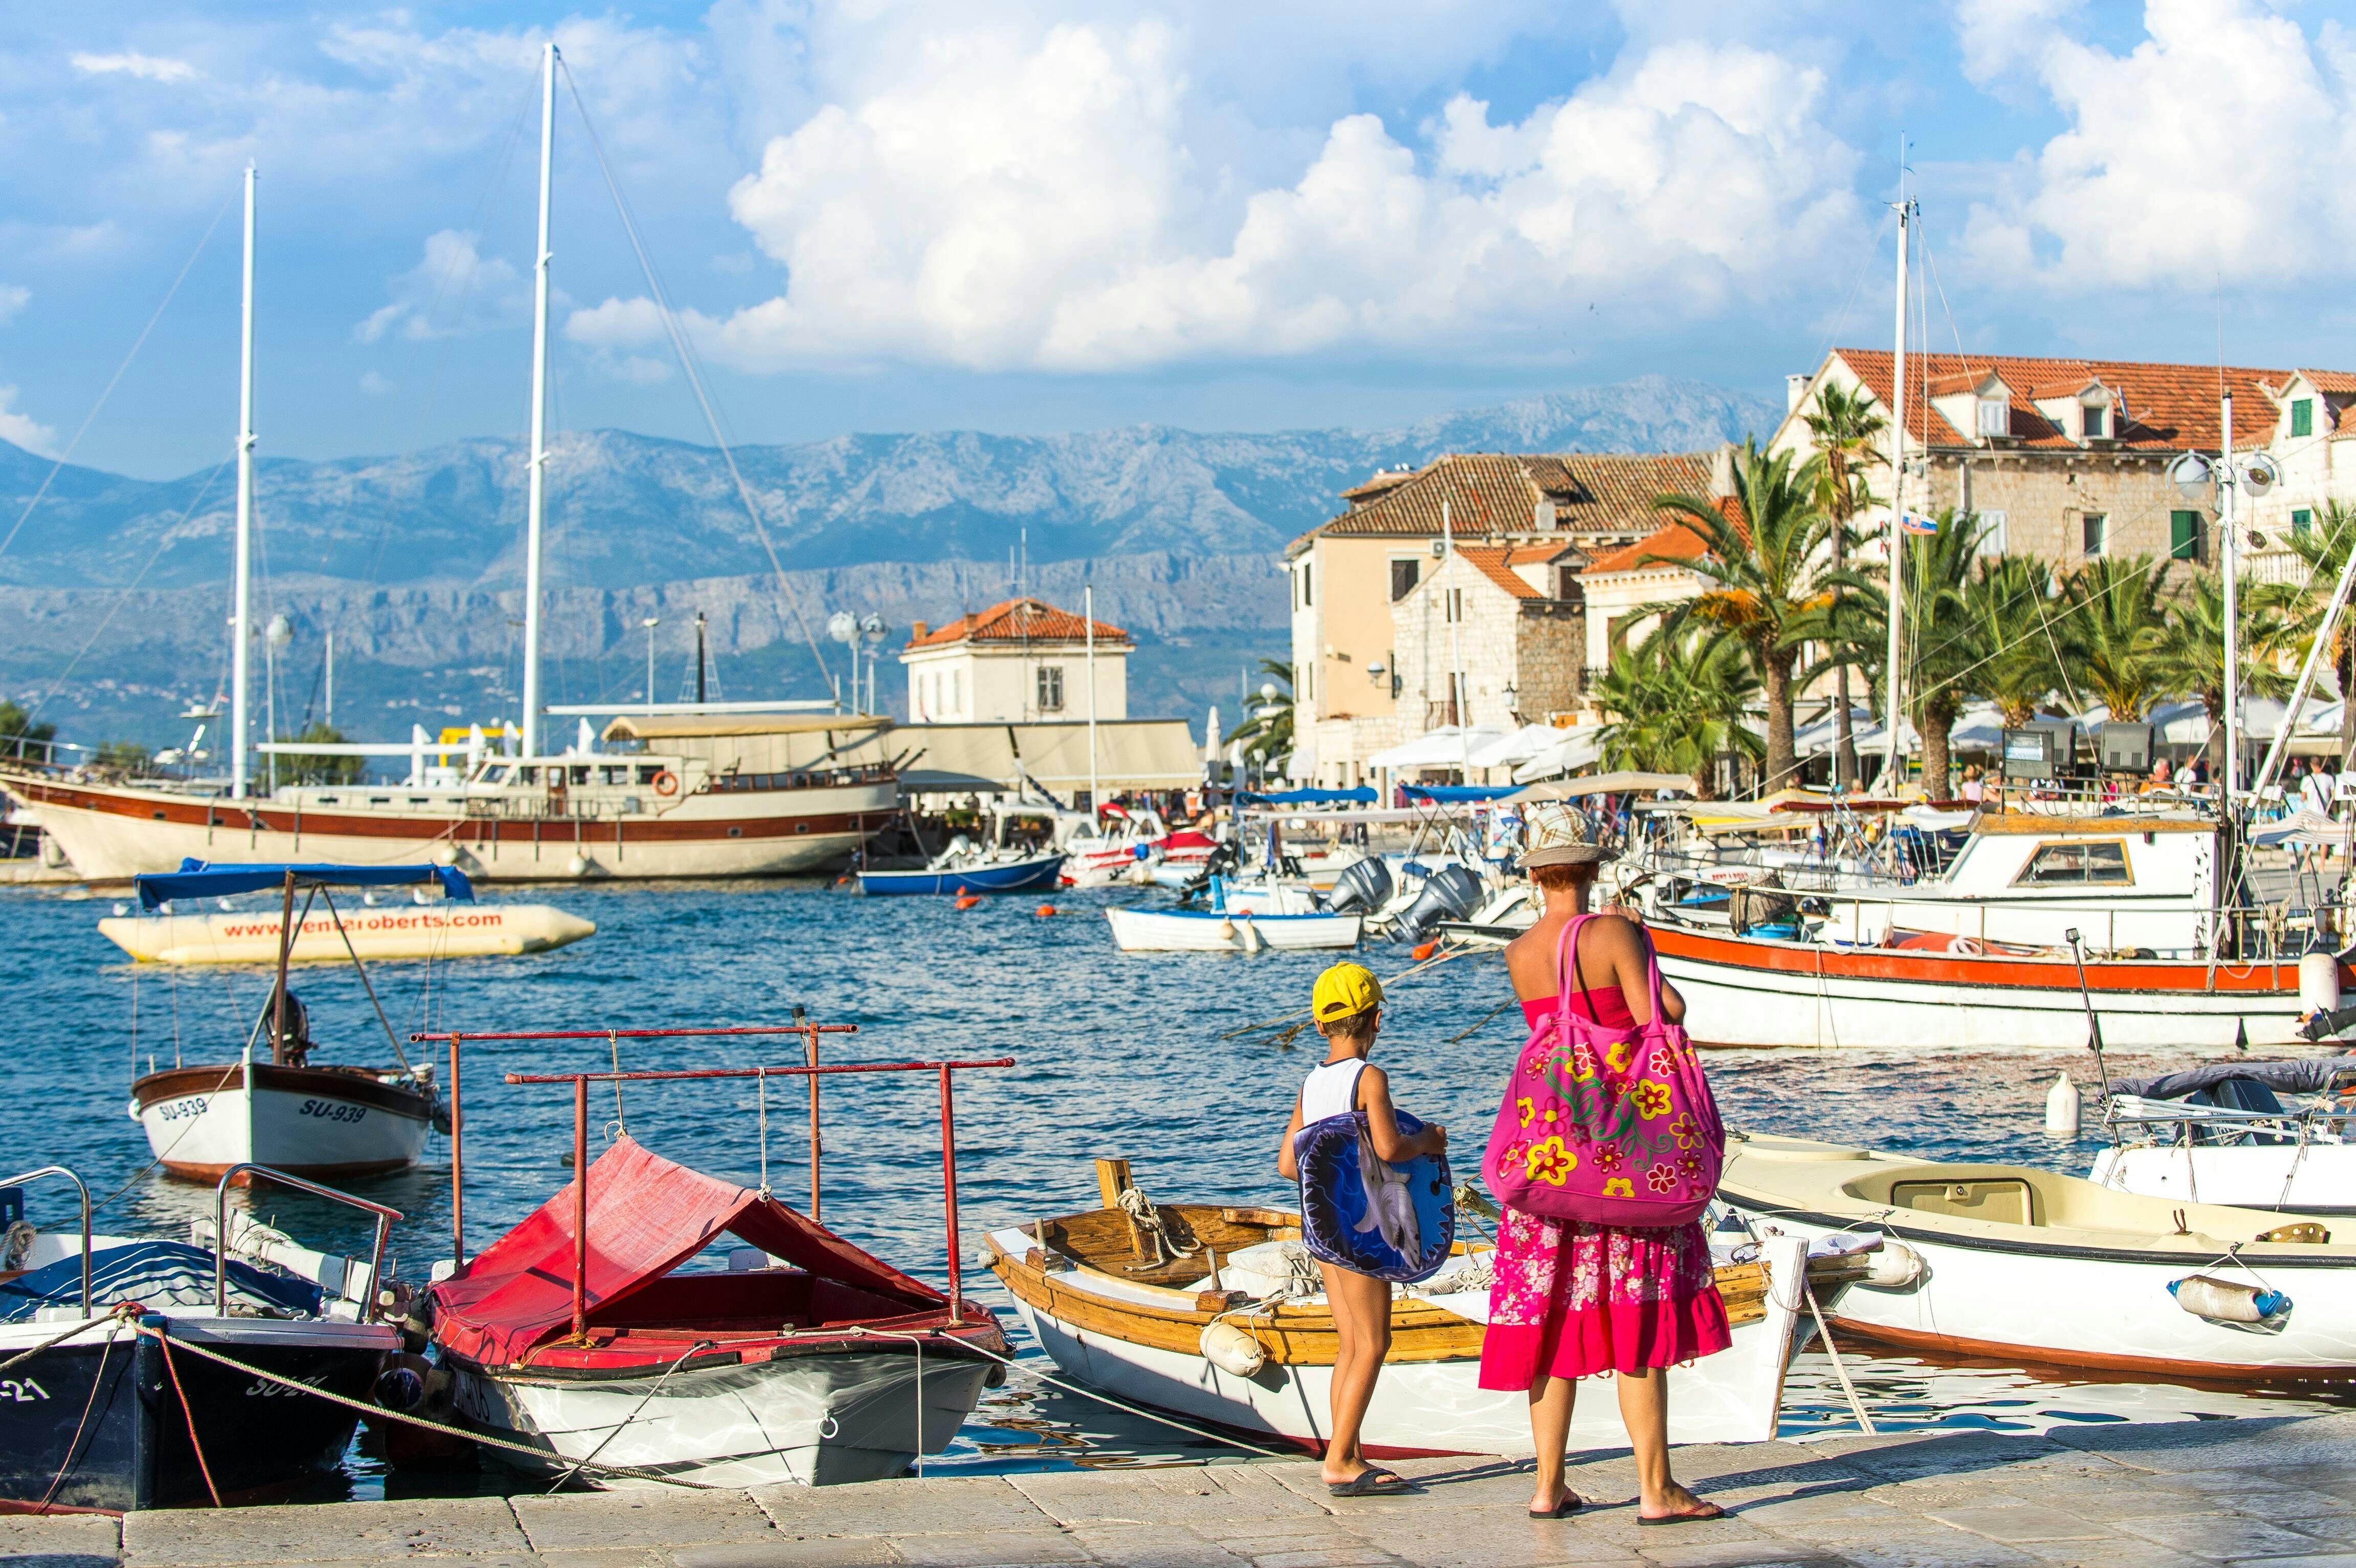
[374, 385]
[13, 297]
[23, 429]
[610, 331]
[147, 68]
[2206, 151]
[453, 291]
[2002, 36]
[1005, 199]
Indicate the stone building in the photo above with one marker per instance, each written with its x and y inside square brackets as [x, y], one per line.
[1020, 661]
[1502, 611]
[1538, 515]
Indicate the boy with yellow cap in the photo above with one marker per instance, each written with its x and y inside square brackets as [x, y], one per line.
[1347, 1006]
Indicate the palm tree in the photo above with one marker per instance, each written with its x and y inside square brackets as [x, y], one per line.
[2110, 626]
[1267, 733]
[2188, 654]
[1848, 432]
[2011, 621]
[2324, 547]
[1680, 697]
[1760, 580]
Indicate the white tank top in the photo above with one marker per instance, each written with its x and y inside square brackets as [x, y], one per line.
[1331, 1090]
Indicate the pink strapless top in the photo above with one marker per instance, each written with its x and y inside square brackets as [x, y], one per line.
[1601, 1004]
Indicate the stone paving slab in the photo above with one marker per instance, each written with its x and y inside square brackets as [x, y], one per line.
[2257, 1493]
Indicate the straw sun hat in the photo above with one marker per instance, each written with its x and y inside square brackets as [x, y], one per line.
[1557, 834]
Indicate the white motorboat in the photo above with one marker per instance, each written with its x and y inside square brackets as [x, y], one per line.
[1989, 956]
[2219, 1132]
[1210, 931]
[414, 930]
[1235, 1331]
[2035, 1266]
[280, 1109]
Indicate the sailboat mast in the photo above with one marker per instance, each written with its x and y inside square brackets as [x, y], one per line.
[241, 619]
[2230, 777]
[1891, 683]
[537, 493]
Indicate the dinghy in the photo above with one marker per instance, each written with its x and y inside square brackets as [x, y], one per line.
[2032, 1265]
[1214, 1313]
[427, 930]
[1213, 931]
[114, 1401]
[2219, 1132]
[584, 1333]
[281, 1109]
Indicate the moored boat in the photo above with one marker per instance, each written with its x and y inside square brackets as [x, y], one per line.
[974, 873]
[427, 930]
[1211, 931]
[2219, 1132]
[2040, 1267]
[1165, 1326]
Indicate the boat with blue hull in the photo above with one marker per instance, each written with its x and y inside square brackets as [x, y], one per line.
[974, 876]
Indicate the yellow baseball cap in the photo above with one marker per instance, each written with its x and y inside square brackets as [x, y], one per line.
[1344, 991]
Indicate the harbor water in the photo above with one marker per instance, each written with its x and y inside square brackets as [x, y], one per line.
[1181, 1063]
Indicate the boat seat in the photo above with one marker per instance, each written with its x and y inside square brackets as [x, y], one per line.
[2006, 1201]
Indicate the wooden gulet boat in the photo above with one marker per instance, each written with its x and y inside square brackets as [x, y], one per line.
[813, 1362]
[286, 1112]
[1138, 1311]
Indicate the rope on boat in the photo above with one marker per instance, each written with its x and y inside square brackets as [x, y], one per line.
[575, 1468]
[188, 1414]
[1148, 1220]
[1013, 1365]
[120, 1316]
[379, 1411]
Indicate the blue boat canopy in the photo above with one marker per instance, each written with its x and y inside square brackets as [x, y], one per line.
[1359, 797]
[201, 879]
[1458, 792]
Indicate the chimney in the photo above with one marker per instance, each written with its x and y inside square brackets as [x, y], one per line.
[1721, 473]
[1794, 388]
[916, 631]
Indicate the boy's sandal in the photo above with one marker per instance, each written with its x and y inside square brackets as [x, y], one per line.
[1371, 1484]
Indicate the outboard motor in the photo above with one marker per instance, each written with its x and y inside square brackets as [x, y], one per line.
[1363, 885]
[1222, 862]
[1449, 892]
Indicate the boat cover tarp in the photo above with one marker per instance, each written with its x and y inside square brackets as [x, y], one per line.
[2310, 1076]
[1362, 796]
[1458, 794]
[161, 1274]
[647, 1216]
[205, 879]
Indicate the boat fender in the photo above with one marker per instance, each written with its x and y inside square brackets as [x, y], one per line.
[1227, 929]
[666, 782]
[2230, 1302]
[2063, 1106]
[1232, 1349]
[2318, 982]
[1252, 943]
[578, 866]
[1896, 1266]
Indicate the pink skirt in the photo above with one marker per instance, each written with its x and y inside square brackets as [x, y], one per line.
[1573, 1299]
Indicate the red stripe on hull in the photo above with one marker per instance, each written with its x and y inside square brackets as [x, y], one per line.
[2209, 1371]
[2258, 980]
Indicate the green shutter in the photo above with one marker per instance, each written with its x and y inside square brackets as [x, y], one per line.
[2184, 535]
[2302, 416]
[2301, 520]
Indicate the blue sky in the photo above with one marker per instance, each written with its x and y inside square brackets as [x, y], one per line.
[1038, 217]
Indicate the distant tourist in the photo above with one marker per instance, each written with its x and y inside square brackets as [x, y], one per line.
[2161, 778]
[2316, 789]
[1347, 1006]
[1574, 1298]
[1974, 791]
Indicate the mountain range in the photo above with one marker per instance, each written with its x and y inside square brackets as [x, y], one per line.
[414, 560]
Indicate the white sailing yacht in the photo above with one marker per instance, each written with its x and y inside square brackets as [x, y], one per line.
[538, 815]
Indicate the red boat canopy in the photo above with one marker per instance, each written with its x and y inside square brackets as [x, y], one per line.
[647, 1216]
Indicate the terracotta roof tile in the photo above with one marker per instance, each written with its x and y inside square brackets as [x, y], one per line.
[2170, 408]
[1017, 621]
[1678, 541]
[1497, 565]
[1500, 493]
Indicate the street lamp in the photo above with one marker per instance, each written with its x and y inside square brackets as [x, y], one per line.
[274, 636]
[871, 632]
[2216, 483]
[650, 622]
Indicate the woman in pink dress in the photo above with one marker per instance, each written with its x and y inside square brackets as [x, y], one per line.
[1573, 1299]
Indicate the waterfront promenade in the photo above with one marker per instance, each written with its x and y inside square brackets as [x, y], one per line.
[2277, 1491]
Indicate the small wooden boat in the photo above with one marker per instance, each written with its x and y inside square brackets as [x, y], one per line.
[2037, 1266]
[284, 1111]
[1211, 931]
[96, 1422]
[1131, 1309]
[426, 931]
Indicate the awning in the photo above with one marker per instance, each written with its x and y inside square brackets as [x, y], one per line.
[1446, 747]
[1574, 750]
[1604, 784]
[203, 880]
[647, 1216]
[1362, 796]
[1511, 750]
[702, 726]
[1131, 754]
[1456, 794]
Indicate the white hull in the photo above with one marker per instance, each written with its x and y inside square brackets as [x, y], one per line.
[1729, 1005]
[1430, 1407]
[1165, 931]
[812, 1419]
[403, 931]
[199, 1121]
[2317, 1178]
[2046, 1305]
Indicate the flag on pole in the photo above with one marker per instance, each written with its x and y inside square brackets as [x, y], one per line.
[1915, 523]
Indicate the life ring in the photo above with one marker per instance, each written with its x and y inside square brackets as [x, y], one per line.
[666, 782]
